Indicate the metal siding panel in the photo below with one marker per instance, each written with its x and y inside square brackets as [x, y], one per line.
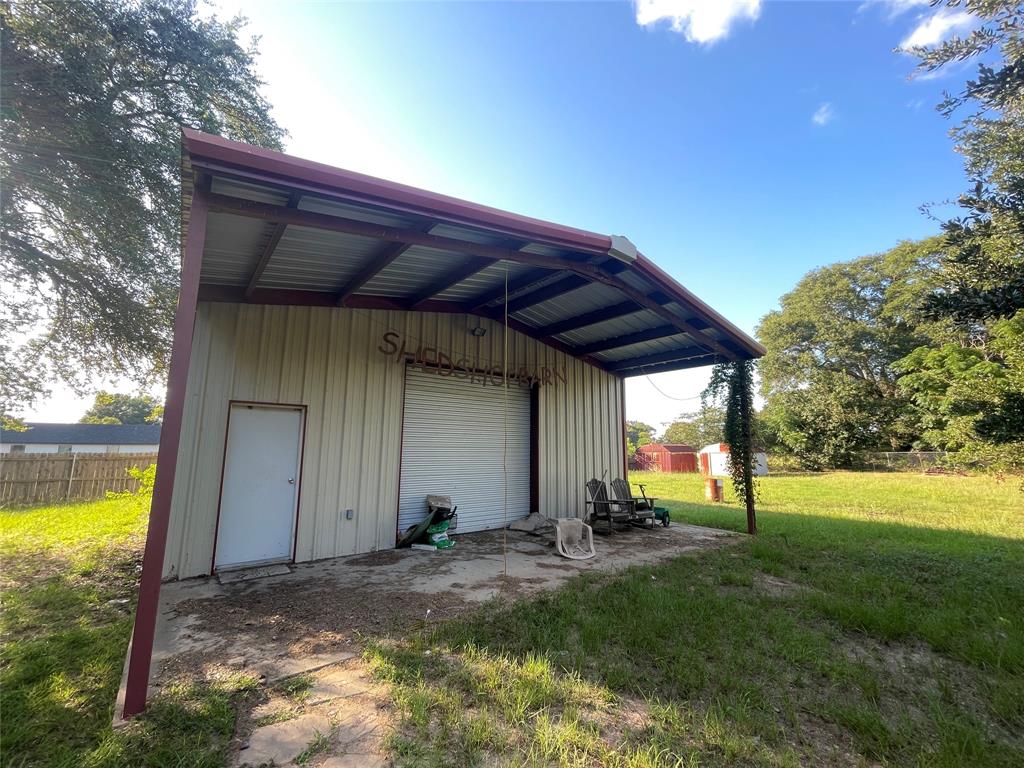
[326, 359]
[455, 442]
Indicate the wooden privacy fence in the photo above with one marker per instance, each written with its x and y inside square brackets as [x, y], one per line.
[49, 478]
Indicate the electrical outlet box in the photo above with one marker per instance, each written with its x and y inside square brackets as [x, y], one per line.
[349, 514]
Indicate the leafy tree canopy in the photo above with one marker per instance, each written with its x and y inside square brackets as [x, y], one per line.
[697, 428]
[94, 94]
[828, 376]
[638, 433]
[971, 394]
[983, 270]
[115, 408]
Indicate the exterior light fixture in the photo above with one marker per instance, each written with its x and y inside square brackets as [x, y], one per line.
[622, 249]
[478, 331]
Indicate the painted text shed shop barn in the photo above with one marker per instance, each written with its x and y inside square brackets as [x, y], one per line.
[344, 346]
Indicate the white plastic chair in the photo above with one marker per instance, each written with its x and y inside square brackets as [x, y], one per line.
[574, 539]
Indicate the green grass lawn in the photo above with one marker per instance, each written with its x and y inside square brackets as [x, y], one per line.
[875, 619]
[68, 581]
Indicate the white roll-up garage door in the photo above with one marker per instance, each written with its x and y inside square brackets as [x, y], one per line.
[455, 443]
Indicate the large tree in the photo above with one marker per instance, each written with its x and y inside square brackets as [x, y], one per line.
[971, 393]
[983, 267]
[117, 408]
[697, 428]
[92, 99]
[828, 375]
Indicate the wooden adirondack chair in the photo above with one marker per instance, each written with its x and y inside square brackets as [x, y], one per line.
[642, 512]
[600, 507]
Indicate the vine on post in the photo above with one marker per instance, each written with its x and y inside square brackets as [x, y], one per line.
[734, 382]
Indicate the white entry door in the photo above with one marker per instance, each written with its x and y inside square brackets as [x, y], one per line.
[260, 488]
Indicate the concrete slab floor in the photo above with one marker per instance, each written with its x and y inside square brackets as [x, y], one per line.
[311, 617]
[308, 619]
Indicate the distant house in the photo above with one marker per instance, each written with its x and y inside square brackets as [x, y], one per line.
[81, 438]
[668, 457]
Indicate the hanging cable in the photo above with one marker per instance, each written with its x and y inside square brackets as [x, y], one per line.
[666, 395]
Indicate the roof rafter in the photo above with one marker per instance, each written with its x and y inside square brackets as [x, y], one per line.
[589, 318]
[657, 358]
[649, 334]
[447, 280]
[549, 291]
[467, 269]
[380, 261]
[283, 215]
[271, 246]
[676, 365]
[483, 299]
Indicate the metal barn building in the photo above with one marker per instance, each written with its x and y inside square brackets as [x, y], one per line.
[344, 346]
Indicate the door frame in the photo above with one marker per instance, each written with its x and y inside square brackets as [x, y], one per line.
[298, 480]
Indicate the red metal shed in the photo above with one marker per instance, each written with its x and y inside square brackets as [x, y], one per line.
[670, 457]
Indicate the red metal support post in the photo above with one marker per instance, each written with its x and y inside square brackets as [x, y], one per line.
[141, 651]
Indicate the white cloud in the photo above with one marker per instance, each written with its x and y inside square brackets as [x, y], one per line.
[824, 114]
[893, 8]
[700, 21]
[937, 27]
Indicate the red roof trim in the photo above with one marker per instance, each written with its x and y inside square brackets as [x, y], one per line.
[660, 277]
[288, 167]
[258, 161]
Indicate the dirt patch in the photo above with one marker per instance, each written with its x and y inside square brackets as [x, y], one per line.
[827, 744]
[912, 671]
[514, 586]
[557, 566]
[382, 557]
[311, 617]
[776, 587]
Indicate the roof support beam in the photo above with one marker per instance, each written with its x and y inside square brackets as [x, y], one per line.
[589, 318]
[657, 358]
[446, 281]
[380, 261]
[283, 215]
[518, 284]
[267, 212]
[549, 291]
[678, 365]
[456, 276]
[140, 654]
[650, 334]
[268, 251]
[560, 287]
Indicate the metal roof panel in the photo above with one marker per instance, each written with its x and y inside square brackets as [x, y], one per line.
[233, 246]
[316, 260]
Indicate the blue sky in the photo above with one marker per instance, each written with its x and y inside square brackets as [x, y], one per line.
[694, 135]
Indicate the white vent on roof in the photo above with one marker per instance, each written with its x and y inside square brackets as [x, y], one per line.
[622, 249]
